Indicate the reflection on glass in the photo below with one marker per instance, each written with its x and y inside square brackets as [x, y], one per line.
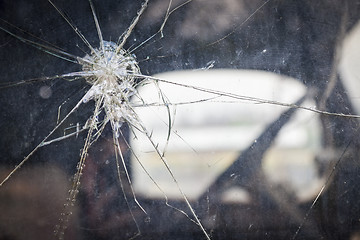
[252, 103]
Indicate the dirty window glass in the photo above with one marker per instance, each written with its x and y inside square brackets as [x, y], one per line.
[179, 119]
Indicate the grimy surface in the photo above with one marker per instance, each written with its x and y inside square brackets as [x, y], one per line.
[299, 39]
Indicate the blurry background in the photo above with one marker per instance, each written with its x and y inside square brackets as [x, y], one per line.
[251, 170]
